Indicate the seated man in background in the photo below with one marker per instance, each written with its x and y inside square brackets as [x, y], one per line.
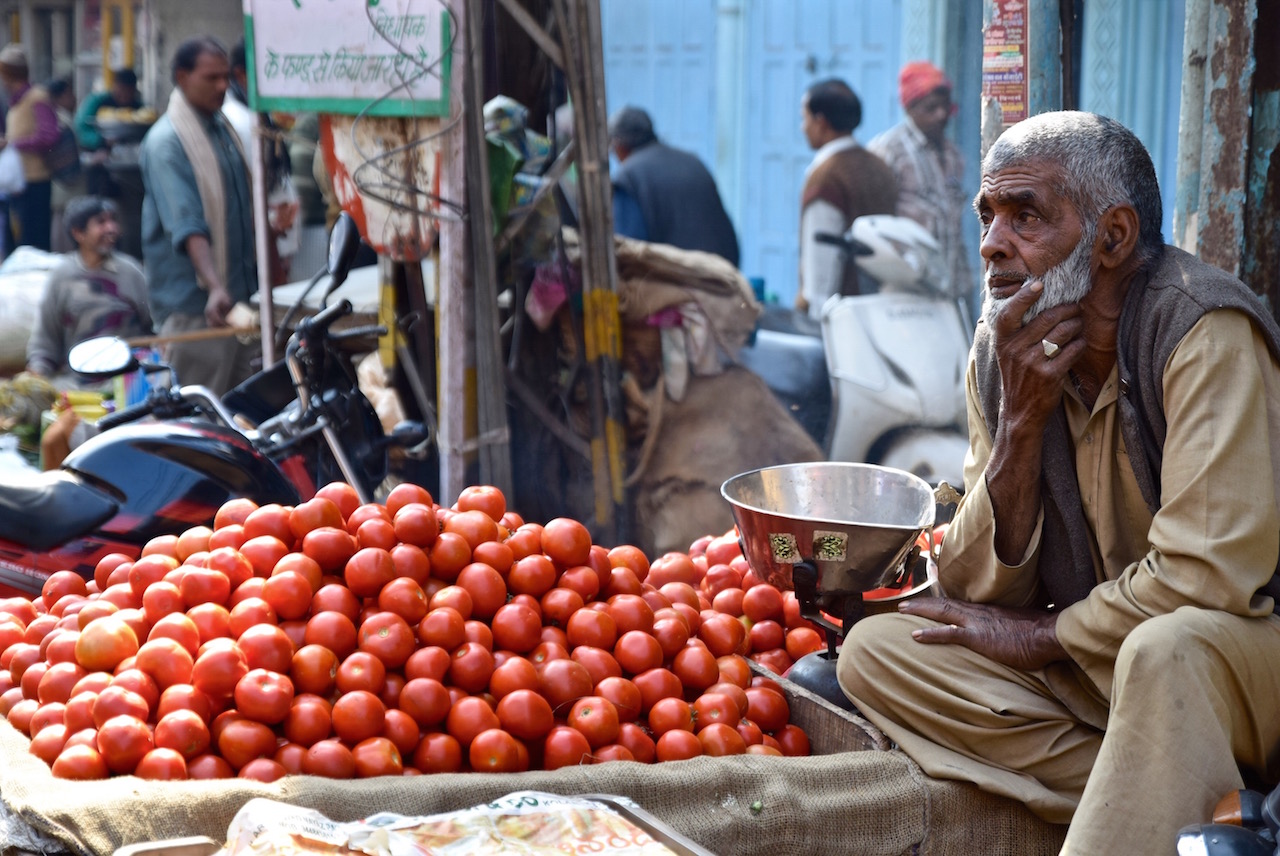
[95, 291]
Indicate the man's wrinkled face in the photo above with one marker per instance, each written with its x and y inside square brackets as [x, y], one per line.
[1030, 231]
[205, 85]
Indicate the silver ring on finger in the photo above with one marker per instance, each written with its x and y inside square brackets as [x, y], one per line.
[1050, 348]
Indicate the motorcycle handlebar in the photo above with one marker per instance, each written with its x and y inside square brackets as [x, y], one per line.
[323, 320]
[132, 413]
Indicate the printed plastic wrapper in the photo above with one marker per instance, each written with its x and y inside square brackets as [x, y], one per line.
[529, 823]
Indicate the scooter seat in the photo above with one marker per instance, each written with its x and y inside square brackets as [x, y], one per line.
[51, 508]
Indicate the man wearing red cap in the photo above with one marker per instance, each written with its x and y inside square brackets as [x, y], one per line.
[929, 167]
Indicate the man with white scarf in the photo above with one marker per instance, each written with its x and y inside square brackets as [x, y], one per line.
[197, 219]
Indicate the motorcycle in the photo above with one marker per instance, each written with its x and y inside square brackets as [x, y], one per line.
[880, 378]
[292, 427]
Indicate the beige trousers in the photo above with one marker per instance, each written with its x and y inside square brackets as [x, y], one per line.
[218, 364]
[1196, 700]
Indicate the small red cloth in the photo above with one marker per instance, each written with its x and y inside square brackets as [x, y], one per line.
[918, 79]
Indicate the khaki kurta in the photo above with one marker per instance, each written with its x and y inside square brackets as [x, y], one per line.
[1173, 655]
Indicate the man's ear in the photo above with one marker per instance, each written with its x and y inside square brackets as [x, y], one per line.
[1118, 235]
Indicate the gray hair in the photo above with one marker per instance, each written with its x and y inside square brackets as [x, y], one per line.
[1100, 164]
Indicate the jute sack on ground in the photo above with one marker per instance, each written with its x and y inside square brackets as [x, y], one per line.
[727, 424]
[867, 803]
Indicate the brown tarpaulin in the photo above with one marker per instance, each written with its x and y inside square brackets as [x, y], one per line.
[869, 802]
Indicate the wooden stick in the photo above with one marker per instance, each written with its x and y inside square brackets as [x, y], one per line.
[192, 336]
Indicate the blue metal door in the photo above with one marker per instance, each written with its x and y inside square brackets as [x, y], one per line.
[790, 45]
[660, 55]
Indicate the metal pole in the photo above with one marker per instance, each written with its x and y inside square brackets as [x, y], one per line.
[454, 280]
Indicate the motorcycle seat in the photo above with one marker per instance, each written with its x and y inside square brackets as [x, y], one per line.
[47, 509]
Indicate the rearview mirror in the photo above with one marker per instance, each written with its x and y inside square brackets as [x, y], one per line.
[102, 357]
[344, 243]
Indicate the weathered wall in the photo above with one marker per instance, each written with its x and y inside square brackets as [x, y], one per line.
[168, 22]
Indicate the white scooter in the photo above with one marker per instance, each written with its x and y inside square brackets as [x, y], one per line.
[893, 359]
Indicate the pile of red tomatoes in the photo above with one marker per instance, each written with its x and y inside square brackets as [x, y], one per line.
[347, 640]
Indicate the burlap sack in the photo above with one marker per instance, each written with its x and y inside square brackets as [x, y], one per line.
[848, 803]
[726, 425]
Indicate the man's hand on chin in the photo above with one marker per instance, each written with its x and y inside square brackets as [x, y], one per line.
[1021, 638]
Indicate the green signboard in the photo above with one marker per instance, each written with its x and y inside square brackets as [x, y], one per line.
[371, 57]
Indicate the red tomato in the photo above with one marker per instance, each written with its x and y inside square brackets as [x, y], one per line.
[264, 695]
[657, 684]
[102, 644]
[766, 635]
[377, 756]
[430, 661]
[668, 714]
[767, 708]
[596, 718]
[342, 495]
[763, 603]
[566, 541]
[592, 627]
[264, 552]
[583, 579]
[209, 766]
[388, 637]
[412, 562]
[233, 563]
[485, 585]
[333, 597]
[361, 671]
[404, 597]
[216, 672]
[526, 714]
[803, 640]
[468, 717]
[599, 663]
[678, 745]
[166, 661]
[331, 759]
[267, 646]
[719, 739]
[80, 762]
[358, 715]
[696, 667]
[563, 682]
[486, 498]
[449, 554]
[416, 524]
[565, 747]
[495, 751]
[183, 731]
[792, 740]
[314, 513]
[334, 630]
[308, 721]
[638, 742]
[368, 571]
[313, 669]
[330, 546]
[559, 604]
[263, 770]
[517, 628]
[426, 700]
[438, 753]
[534, 575]
[637, 651]
[470, 667]
[123, 741]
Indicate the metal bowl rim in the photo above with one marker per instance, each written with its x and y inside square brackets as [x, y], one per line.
[833, 464]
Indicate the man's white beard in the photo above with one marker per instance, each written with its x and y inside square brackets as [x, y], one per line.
[1066, 282]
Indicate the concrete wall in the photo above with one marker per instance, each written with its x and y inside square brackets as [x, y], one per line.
[166, 23]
